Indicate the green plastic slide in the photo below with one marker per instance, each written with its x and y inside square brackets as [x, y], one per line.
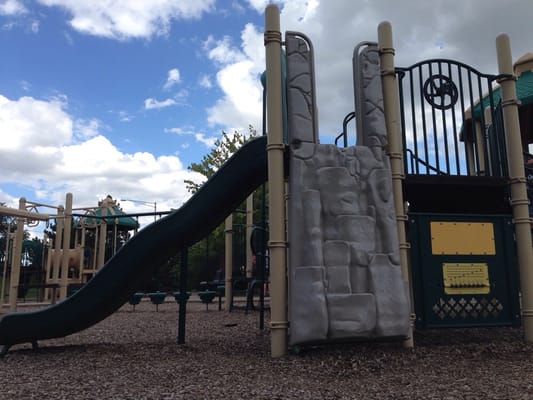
[135, 262]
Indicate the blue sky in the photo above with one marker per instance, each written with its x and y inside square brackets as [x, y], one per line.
[118, 97]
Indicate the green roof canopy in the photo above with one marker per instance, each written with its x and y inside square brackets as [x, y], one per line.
[524, 93]
[108, 208]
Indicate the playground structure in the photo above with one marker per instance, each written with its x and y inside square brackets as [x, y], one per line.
[461, 217]
[360, 265]
[87, 247]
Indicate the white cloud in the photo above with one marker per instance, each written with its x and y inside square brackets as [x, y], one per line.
[221, 51]
[238, 77]
[21, 119]
[421, 30]
[208, 141]
[86, 129]
[12, 7]
[205, 82]
[36, 148]
[35, 26]
[123, 19]
[25, 85]
[124, 116]
[173, 78]
[258, 5]
[150, 103]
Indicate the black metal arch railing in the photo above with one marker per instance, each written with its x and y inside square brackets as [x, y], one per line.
[446, 109]
[344, 134]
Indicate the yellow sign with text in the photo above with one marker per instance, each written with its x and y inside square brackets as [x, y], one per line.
[466, 278]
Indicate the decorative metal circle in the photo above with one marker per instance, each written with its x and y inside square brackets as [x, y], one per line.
[440, 92]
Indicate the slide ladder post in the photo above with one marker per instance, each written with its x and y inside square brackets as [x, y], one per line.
[276, 180]
[67, 225]
[519, 200]
[15, 259]
[395, 151]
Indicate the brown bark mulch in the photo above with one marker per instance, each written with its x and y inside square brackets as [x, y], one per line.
[134, 355]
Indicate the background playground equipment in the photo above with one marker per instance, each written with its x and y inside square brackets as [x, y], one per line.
[135, 299]
[89, 240]
[344, 282]
[177, 296]
[24, 216]
[207, 297]
[157, 298]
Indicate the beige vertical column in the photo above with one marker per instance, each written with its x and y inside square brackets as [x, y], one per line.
[488, 122]
[102, 234]
[48, 267]
[249, 226]
[4, 273]
[480, 143]
[82, 255]
[57, 244]
[276, 199]
[94, 260]
[395, 148]
[65, 255]
[15, 259]
[228, 261]
[519, 200]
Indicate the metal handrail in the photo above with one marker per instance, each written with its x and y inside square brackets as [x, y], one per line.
[344, 133]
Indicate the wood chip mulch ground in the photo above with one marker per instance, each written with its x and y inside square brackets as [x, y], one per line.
[134, 355]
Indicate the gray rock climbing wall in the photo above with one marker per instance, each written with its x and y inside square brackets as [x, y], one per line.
[344, 274]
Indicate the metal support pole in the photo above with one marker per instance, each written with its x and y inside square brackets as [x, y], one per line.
[275, 148]
[228, 262]
[519, 200]
[391, 106]
[67, 225]
[183, 295]
[15, 259]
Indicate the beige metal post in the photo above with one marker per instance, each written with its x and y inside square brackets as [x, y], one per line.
[395, 150]
[488, 123]
[15, 259]
[57, 244]
[102, 232]
[519, 200]
[480, 145]
[275, 148]
[4, 273]
[82, 244]
[249, 226]
[67, 224]
[228, 261]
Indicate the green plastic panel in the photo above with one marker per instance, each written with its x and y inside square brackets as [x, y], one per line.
[458, 290]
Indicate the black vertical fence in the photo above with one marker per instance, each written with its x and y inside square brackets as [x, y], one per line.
[450, 120]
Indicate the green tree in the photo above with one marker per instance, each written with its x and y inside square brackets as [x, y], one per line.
[206, 256]
[221, 151]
